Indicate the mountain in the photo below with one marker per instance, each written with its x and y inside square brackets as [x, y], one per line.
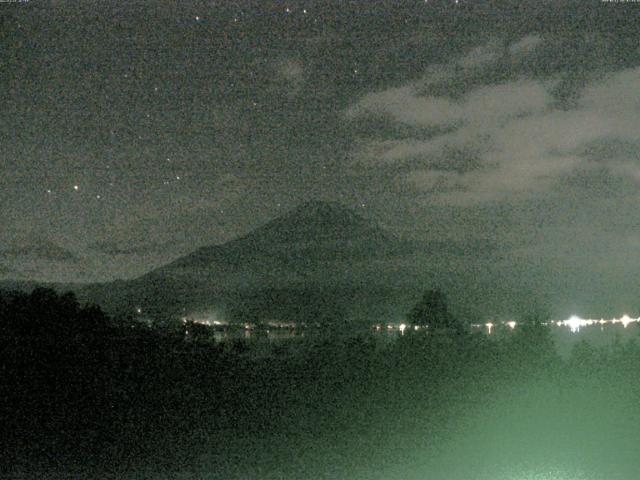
[29, 285]
[314, 222]
[320, 259]
[314, 233]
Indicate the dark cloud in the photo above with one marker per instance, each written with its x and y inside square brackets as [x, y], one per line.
[599, 182]
[36, 248]
[607, 149]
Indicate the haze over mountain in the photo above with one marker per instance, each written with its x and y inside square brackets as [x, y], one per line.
[24, 257]
[324, 260]
[320, 260]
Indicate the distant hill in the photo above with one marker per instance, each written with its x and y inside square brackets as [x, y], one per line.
[29, 285]
[321, 261]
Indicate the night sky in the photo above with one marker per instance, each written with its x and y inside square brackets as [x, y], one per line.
[135, 132]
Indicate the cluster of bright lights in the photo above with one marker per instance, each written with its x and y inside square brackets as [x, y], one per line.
[209, 319]
[207, 322]
[574, 323]
[403, 327]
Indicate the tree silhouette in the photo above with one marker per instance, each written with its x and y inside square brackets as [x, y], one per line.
[432, 311]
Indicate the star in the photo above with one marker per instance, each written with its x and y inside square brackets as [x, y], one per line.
[76, 187]
[197, 18]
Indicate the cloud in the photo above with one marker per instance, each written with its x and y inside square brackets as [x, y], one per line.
[525, 45]
[481, 56]
[500, 141]
[494, 62]
[434, 181]
[615, 94]
[492, 103]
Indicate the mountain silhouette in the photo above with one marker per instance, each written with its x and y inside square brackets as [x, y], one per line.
[319, 254]
[315, 231]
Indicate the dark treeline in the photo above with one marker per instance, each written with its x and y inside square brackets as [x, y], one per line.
[86, 396]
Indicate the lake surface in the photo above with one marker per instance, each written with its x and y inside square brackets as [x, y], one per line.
[596, 335]
[565, 336]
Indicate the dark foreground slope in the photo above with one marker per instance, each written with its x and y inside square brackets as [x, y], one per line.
[83, 396]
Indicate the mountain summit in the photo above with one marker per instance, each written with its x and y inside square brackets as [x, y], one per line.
[316, 221]
[314, 231]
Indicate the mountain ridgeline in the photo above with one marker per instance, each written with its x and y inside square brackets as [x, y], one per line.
[315, 232]
[319, 263]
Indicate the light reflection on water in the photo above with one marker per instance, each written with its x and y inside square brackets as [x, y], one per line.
[573, 323]
[595, 335]
[598, 334]
[253, 335]
[566, 334]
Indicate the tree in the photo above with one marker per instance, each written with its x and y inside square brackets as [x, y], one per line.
[432, 311]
